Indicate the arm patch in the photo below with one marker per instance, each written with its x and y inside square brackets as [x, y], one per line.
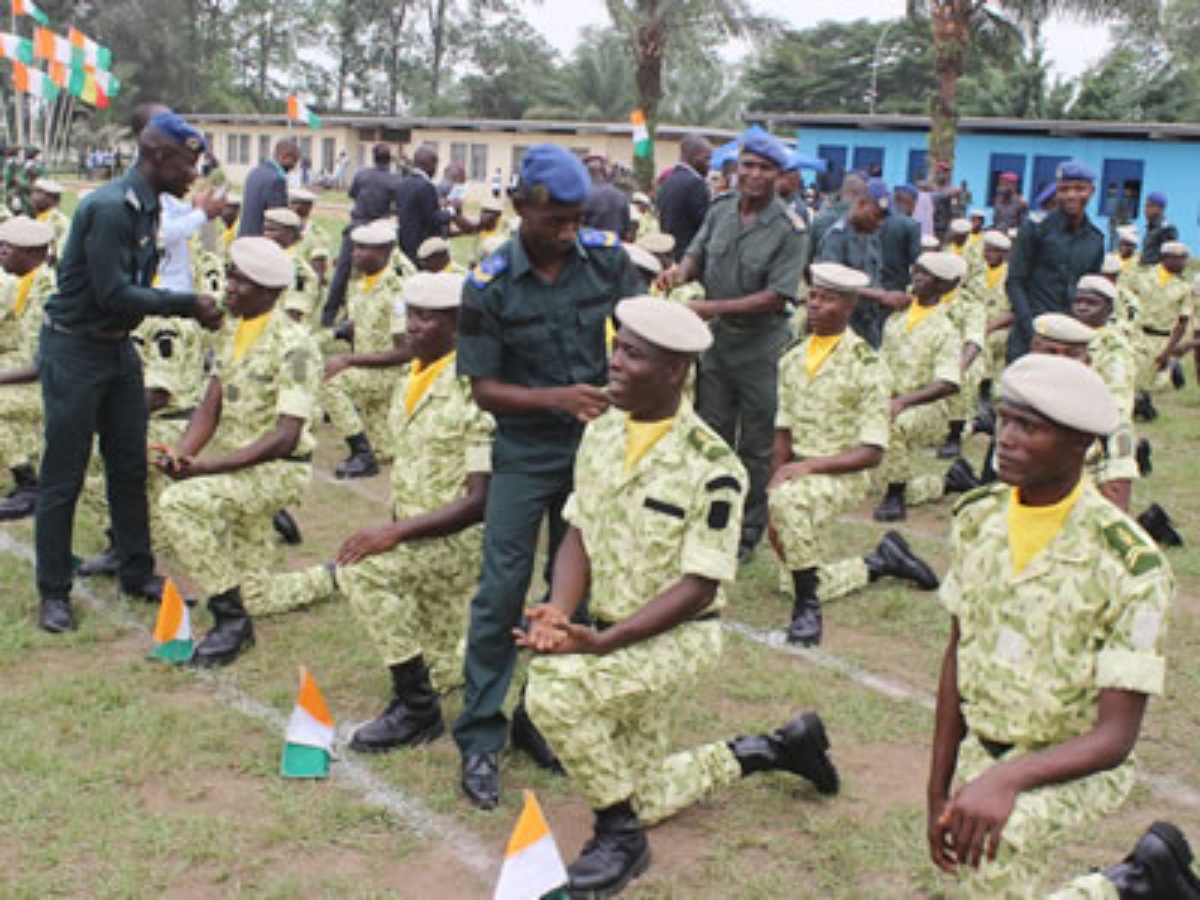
[1138, 556]
[718, 514]
[725, 481]
[591, 237]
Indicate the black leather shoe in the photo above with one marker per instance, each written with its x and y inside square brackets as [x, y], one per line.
[285, 526]
[806, 627]
[985, 419]
[361, 463]
[1159, 525]
[525, 736]
[55, 616]
[893, 508]
[1159, 868]
[413, 717]
[800, 747]
[1178, 379]
[1145, 457]
[149, 592]
[481, 779]
[1143, 407]
[106, 562]
[617, 853]
[894, 557]
[232, 632]
[20, 504]
[960, 478]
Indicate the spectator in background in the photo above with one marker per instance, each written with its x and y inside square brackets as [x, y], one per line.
[1009, 209]
[607, 208]
[683, 196]
[266, 187]
[1158, 230]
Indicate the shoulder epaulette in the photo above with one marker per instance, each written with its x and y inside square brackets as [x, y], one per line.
[865, 352]
[977, 494]
[591, 237]
[708, 444]
[1139, 554]
[488, 269]
[797, 220]
[131, 198]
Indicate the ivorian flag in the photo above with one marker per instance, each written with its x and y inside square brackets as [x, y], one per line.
[309, 734]
[50, 46]
[17, 48]
[642, 145]
[33, 82]
[88, 52]
[26, 8]
[299, 112]
[533, 867]
[173, 631]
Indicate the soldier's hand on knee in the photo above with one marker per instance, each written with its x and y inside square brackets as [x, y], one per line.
[978, 814]
[940, 836]
[367, 542]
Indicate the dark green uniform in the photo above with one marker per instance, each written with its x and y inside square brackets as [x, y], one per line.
[737, 389]
[91, 377]
[516, 328]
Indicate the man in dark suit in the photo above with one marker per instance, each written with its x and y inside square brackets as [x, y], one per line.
[421, 215]
[266, 187]
[682, 199]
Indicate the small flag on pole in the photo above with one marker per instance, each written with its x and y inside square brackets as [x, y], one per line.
[642, 145]
[533, 867]
[15, 47]
[173, 631]
[26, 8]
[299, 112]
[50, 46]
[309, 734]
[88, 52]
[33, 82]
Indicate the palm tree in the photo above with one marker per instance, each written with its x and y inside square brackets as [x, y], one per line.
[958, 25]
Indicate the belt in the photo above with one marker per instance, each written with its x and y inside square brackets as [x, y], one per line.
[179, 415]
[995, 749]
[1157, 332]
[111, 337]
[711, 616]
[300, 458]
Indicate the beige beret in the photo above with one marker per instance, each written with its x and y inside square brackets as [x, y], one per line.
[838, 278]
[1012, 233]
[377, 234]
[930, 242]
[1196, 286]
[641, 198]
[671, 326]
[433, 290]
[946, 266]
[1097, 284]
[262, 261]
[22, 231]
[302, 195]
[1064, 391]
[659, 243]
[1111, 264]
[1174, 248]
[281, 215]
[1127, 234]
[432, 246]
[997, 240]
[643, 259]
[492, 205]
[1063, 329]
[48, 186]
[977, 214]
[960, 226]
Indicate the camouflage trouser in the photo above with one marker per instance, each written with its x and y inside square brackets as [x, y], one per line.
[357, 401]
[1149, 376]
[962, 404]
[412, 600]
[218, 527]
[1040, 821]
[915, 429]
[611, 720]
[20, 425]
[994, 355]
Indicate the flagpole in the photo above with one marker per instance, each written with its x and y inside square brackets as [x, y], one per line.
[17, 105]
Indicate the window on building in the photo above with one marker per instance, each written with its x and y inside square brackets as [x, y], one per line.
[231, 149]
[264, 148]
[479, 162]
[918, 163]
[1001, 163]
[1045, 169]
[518, 153]
[306, 148]
[834, 155]
[458, 154]
[869, 160]
[328, 153]
[1121, 189]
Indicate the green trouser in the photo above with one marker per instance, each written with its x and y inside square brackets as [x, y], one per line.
[517, 503]
[737, 395]
[91, 389]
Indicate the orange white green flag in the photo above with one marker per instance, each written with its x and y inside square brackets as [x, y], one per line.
[642, 145]
[309, 746]
[298, 111]
[173, 631]
[26, 8]
[533, 867]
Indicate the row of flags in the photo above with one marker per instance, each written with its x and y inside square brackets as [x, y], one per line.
[75, 63]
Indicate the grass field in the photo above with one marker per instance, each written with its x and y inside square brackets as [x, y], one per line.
[122, 777]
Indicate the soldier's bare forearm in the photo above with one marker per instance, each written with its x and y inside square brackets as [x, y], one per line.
[680, 603]
[449, 519]
[949, 728]
[572, 573]
[22, 375]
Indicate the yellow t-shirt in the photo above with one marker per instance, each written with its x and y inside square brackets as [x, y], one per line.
[420, 377]
[1032, 528]
[368, 281]
[1164, 277]
[916, 315]
[23, 288]
[819, 348]
[248, 332]
[994, 274]
[640, 438]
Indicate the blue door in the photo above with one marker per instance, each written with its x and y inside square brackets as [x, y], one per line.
[869, 161]
[918, 161]
[1000, 163]
[1044, 174]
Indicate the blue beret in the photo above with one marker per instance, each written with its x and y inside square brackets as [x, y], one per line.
[878, 190]
[794, 161]
[557, 171]
[1074, 170]
[179, 131]
[1157, 197]
[907, 189]
[1045, 196]
[768, 148]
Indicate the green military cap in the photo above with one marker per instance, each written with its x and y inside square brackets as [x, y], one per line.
[431, 247]
[671, 326]
[1174, 248]
[930, 242]
[492, 205]
[997, 240]
[1062, 390]
[22, 231]
[281, 215]
[960, 226]
[433, 290]
[643, 259]
[661, 242]
[838, 278]
[262, 261]
[1097, 284]
[1111, 264]
[946, 266]
[377, 234]
[1063, 329]
[301, 195]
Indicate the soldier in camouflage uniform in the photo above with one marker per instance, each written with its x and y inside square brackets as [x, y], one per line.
[314, 247]
[654, 527]
[409, 582]
[44, 201]
[302, 300]
[1166, 309]
[968, 311]
[256, 417]
[357, 390]
[29, 280]
[1058, 604]
[830, 431]
[922, 350]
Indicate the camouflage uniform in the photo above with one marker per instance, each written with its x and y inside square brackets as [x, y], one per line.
[21, 404]
[61, 223]
[303, 298]
[312, 245]
[1162, 307]
[968, 311]
[929, 353]
[218, 527]
[413, 599]
[843, 406]
[358, 399]
[988, 289]
[610, 718]
[1037, 648]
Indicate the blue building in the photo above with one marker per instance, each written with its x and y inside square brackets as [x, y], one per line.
[1131, 159]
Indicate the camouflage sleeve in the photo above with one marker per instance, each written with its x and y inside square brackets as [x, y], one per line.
[789, 368]
[974, 327]
[1131, 656]
[477, 434]
[947, 363]
[714, 527]
[950, 593]
[299, 378]
[874, 426]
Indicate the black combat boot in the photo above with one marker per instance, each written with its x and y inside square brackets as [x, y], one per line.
[952, 449]
[893, 508]
[805, 629]
[22, 499]
[285, 526]
[960, 478]
[1145, 457]
[1178, 379]
[413, 717]
[1143, 407]
[361, 463]
[526, 736]
[232, 631]
[800, 747]
[617, 853]
[55, 616]
[1159, 525]
[894, 557]
[106, 562]
[1159, 868]
[985, 418]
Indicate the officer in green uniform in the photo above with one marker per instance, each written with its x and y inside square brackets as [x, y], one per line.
[532, 339]
[89, 368]
[748, 255]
